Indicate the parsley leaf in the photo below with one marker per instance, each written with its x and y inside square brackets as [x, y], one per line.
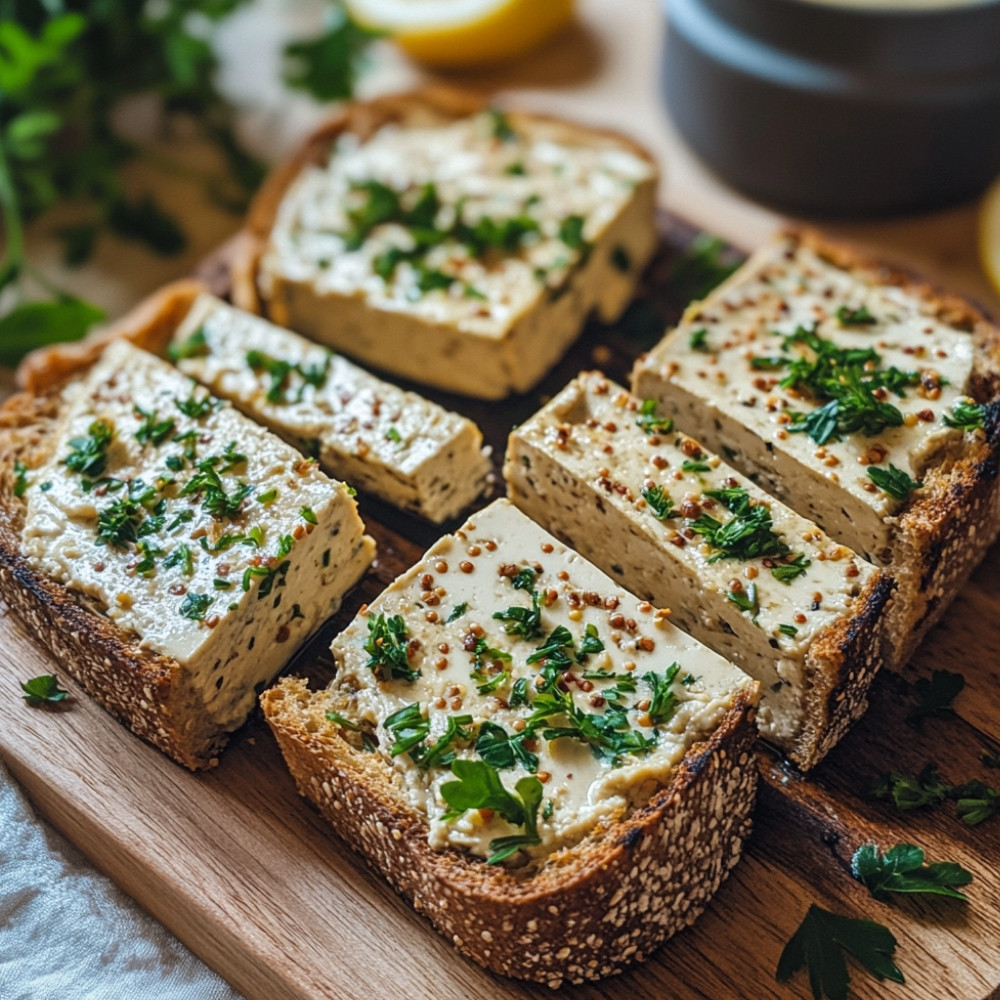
[902, 869]
[660, 502]
[89, 455]
[502, 750]
[893, 481]
[195, 606]
[791, 569]
[20, 478]
[820, 942]
[698, 341]
[748, 534]
[664, 701]
[408, 728]
[388, 650]
[965, 415]
[847, 316]
[935, 695]
[43, 690]
[650, 422]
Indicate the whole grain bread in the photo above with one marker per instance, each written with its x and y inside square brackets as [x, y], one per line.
[348, 323]
[151, 692]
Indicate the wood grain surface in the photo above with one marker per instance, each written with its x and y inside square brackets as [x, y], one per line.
[248, 875]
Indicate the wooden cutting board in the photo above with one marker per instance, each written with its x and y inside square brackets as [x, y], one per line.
[248, 875]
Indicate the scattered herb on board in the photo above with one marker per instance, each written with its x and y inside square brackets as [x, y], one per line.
[43, 690]
[975, 801]
[935, 695]
[902, 870]
[819, 945]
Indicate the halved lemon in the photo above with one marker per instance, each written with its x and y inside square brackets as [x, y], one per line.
[454, 34]
[989, 235]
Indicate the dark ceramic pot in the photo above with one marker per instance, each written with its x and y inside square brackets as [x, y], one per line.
[839, 110]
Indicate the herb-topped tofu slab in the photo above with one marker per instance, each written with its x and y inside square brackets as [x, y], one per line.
[457, 246]
[171, 553]
[552, 771]
[397, 445]
[860, 397]
[740, 571]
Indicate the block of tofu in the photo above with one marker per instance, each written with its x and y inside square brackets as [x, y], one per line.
[396, 445]
[457, 246]
[862, 398]
[740, 571]
[172, 554]
[520, 745]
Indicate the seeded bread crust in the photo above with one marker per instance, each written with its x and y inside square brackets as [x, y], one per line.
[436, 105]
[590, 909]
[144, 690]
[147, 691]
[942, 532]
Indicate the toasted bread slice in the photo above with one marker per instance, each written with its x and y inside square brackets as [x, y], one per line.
[861, 397]
[396, 445]
[450, 244]
[169, 552]
[559, 797]
[739, 570]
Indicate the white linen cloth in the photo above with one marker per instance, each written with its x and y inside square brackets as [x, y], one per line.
[68, 933]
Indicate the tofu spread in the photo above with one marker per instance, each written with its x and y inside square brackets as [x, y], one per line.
[835, 393]
[206, 537]
[397, 445]
[449, 253]
[519, 696]
[676, 525]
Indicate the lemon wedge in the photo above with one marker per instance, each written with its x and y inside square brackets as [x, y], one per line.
[454, 34]
[989, 235]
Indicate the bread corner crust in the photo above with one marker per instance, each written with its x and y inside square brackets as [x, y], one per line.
[853, 650]
[591, 909]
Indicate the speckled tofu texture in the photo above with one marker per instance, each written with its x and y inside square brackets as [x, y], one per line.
[585, 910]
[583, 466]
[719, 376]
[187, 707]
[510, 310]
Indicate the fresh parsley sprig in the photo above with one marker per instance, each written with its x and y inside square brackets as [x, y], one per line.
[387, 647]
[43, 690]
[820, 943]
[902, 870]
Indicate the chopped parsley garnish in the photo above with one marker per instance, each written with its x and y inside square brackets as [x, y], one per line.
[150, 553]
[342, 722]
[392, 434]
[845, 379]
[268, 576]
[43, 690]
[279, 372]
[457, 612]
[770, 364]
[571, 231]
[196, 408]
[20, 478]
[502, 750]
[698, 341]
[207, 485]
[182, 517]
[500, 125]
[965, 415]
[553, 649]
[195, 346]
[820, 943]
[525, 622]
[745, 600]
[515, 169]
[518, 693]
[180, 556]
[748, 534]
[893, 481]
[479, 787]
[975, 801]
[650, 422]
[118, 524]
[195, 606]
[659, 502]
[902, 869]
[789, 630]
[308, 514]
[664, 701]
[590, 644]
[408, 728]
[152, 430]
[442, 752]
[524, 579]
[484, 656]
[89, 455]
[693, 465]
[388, 650]
[847, 316]
[935, 694]
[698, 270]
[792, 569]
[268, 496]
